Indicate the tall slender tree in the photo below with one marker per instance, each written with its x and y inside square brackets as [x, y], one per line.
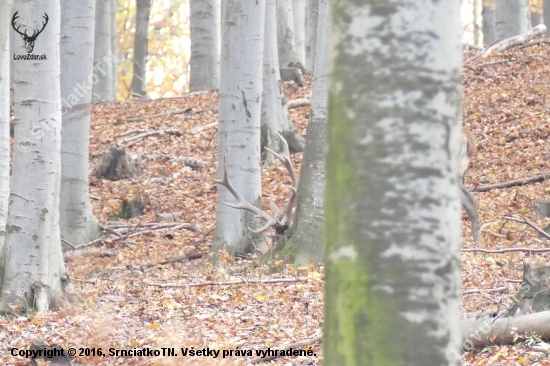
[306, 235]
[312, 14]
[5, 14]
[299, 17]
[392, 206]
[4, 135]
[286, 40]
[512, 18]
[488, 16]
[104, 59]
[275, 118]
[34, 274]
[205, 34]
[239, 123]
[78, 224]
[139, 61]
[546, 15]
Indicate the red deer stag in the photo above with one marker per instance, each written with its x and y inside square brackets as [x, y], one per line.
[283, 219]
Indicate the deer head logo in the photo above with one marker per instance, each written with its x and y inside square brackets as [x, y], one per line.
[29, 40]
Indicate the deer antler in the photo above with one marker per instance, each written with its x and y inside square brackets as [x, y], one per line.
[286, 215]
[281, 218]
[243, 204]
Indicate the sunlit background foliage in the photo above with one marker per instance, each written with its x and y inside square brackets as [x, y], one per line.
[169, 47]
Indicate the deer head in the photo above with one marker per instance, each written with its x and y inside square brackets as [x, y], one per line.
[29, 40]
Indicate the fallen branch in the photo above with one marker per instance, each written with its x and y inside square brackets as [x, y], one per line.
[512, 281]
[521, 39]
[479, 332]
[498, 289]
[141, 118]
[513, 183]
[507, 250]
[535, 43]
[542, 347]
[178, 259]
[120, 230]
[134, 139]
[204, 127]
[490, 63]
[527, 222]
[229, 283]
[297, 103]
[472, 46]
[295, 346]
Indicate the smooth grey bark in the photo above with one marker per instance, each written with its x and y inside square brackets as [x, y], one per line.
[392, 203]
[536, 19]
[77, 222]
[205, 33]
[512, 18]
[4, 137]
[139, 61]
[239, 124]
[104, 59]
[114, 47]
[299, 22]
[5, 17]
[307, 232]
[35, 276]
[546, 15]
[275, 118]
[488, 15]
[288, 56]
[312, 15]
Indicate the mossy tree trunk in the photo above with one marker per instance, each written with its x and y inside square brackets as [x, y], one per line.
[392, 206]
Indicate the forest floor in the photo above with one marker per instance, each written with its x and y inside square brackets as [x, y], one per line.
[147, 291]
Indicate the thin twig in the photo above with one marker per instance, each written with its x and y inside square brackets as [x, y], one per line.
[68, 243]
[507, 250]
[512, 183]
[527, 222]
[534, 43]
[498, 289]
[229, 283]
[141, 118]
[491, 63]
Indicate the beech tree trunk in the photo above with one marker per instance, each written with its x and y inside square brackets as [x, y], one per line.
[205, 33]
[312, 15]
[4, 136]
[34, 274]
[139, 62]
[489, 22]
[239, 124]
[392, 203]
[5, 17]
[299, 16]
[288, 56]
[104, 59]
[275, 118]
[512, 18]
[77, 222]
[546, 15]
[306, 235]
